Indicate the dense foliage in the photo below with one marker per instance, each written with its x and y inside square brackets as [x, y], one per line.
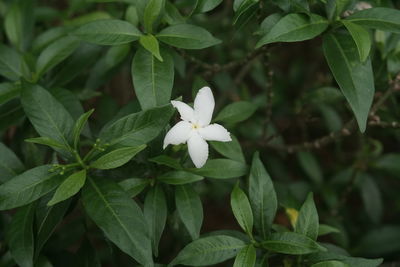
[307, 89]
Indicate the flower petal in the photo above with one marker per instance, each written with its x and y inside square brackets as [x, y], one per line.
[204, 106]
[198, 150]
[186, 112]
[215, 132]
[178, 134]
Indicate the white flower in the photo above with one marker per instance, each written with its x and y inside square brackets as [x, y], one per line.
[195, 127]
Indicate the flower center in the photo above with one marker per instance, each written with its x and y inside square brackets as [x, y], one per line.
[195, 126]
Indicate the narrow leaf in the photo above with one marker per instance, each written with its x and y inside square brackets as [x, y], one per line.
[241, 209]
[133, 186]
[179, 177]
[47, 141]
[152, 12]
[361, 37]
[69, 187]
[381, 18]
[10, 164]
[307, 222]
[236, 112]
[213, 169]
[79, 125]
[246, 257]
[231, 150]
[292, 244]
[150, 43]
[116, 157]
[12, 64]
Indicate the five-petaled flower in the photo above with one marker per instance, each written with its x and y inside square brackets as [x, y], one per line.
[195, 127]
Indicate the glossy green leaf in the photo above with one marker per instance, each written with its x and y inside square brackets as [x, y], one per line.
[350, 261]
[55, 53]
[69, 187]
[20, 236]
[10, 165]
[187, 36]
[167, 161]
[8, 91]
[330, 264]
[355, 78]
[231, 150]
[295, 28]
[152, 12]
[133, 186]
[209, 251]
[116, 158]
[361, 37]
[244, 12]
[138, 128]
[79, 125]
[46, 141]
[292, 244]
[47, 115]
[179, 177]
[246, 257]
[206, 5]
[108, 32]
[28, 186]
[190, 209]
[119, 217]
[47, 37]
[155, 212]
[12, 64]
[212, 169]
[268, 23]
[307, 222]
[150, 43]
[242, 210]
[262, 195]
[152, 79]
[381, 18]
[236, 112]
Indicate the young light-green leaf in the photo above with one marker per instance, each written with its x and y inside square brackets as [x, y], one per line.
[48, 116]
[381, 18]
[190, 209]
[116, 158]
[150, 43]
[355, 78]
[152, 79]
[28, 186]
[361, 37]
[209, 251]
[246, 257]
[69, 187]
[187, 36]
[307, 222]
[263, 198]
[108, 32]
[292, 244]
[242, 210]
[120, 218]
[294, 28]
[179, 177]
[155, 212]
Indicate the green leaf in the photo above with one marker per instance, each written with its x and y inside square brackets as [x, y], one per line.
[221, 169]
[245, 11]
[12, 64]
[10, 165]
[79, 125]
[350, 261]
[69, 187]
[246, 257]
[116, 157]
[187, 36]
[294, 28]
[242, 210]
[206, 5]
[263, 198]
[167, 161]
[152, 12]
[292, 244]
[108, 32]
[179, 177]
[208, 251]
[310, 165]
[133, 186]
[150, 43]
[8, 91]
[47, 142]
[356, 79]
[307, 222]
[155, 212]
[20, 236]
[268, 23]
[54, 54]
[138, 128]
[361, 38]
[190, 209]
[47, 219]
[231, 150]
[389, 163]
[380, 18]
[371, 197]
[152, 79]
[330, 264]
[325, 229]
[119, 217]
[47, 115]
[47, 37]
[236, 112]
[28, 186]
